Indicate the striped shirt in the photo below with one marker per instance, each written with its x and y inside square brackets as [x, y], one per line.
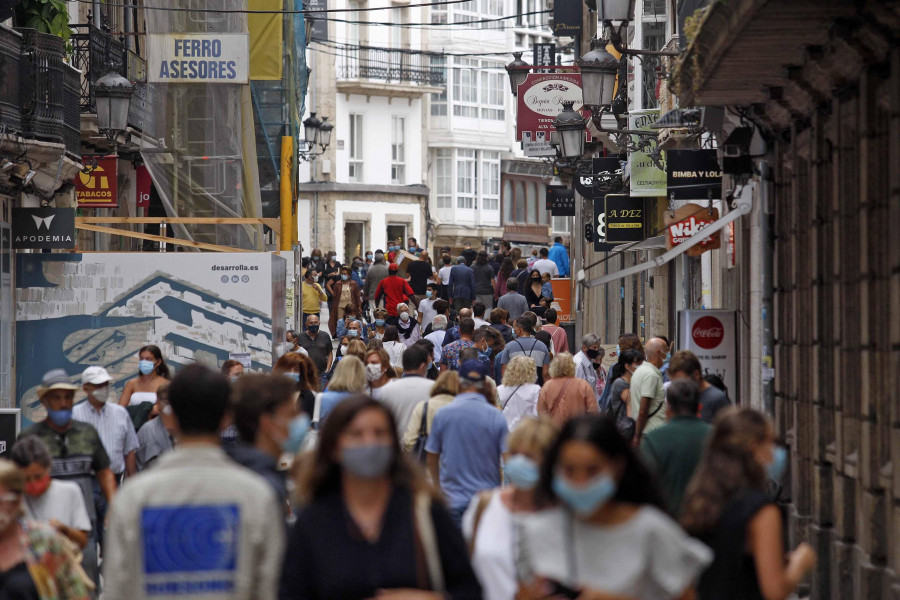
[116, 431]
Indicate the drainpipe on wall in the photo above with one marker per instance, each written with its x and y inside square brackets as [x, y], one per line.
[757, 243]
[767, 315]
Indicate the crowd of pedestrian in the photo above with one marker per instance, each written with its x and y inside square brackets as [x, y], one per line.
[445, 448]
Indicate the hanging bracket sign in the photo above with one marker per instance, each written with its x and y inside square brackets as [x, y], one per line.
[693, 174]
[539, 100]
[198, 57]
[689, 220]
[624, 219]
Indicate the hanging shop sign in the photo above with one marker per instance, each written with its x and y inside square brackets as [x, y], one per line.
[98, 187]
[544, 55]
[600, 242]
[319, 30]
[624, 219]
[46, 228]
[143, 185]
[712, 336]
[198, 57]
[561, 200]
[562, 299]
[647, 179]
[567, 19]
[602, 167]
[539, 100]
[693, 175]
[687, 221]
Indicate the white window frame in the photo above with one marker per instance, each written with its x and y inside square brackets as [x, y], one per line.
[491, 93]
[466, 179]
[465, 88]
[439, 101]
[355, 148]
[490, 181]
[443, 178]
[398, 149]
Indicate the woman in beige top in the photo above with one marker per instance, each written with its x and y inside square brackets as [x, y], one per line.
[344, 292]
[565, 396]
[445, 388]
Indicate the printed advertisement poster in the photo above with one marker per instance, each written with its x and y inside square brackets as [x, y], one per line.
[647, 179]
[562, 299]
[78, 310]
[712, 336]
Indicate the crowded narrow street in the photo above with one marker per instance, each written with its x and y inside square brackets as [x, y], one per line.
[396, 300]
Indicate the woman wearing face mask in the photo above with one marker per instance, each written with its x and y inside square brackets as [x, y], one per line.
[491, 523]
[351, 322]
[533, 289]
[344, 292]
[619, 398]
[54, 501]
[35, 560]
[727, 506]
[378, 371]
[606, 534]
[376, 332]
[427, 313]
[519, 392]
[349, 380]
[232, 369]
[368, 507]
[302, 370]
[407, 327]
[152, 373]
[393, 346]
[565, 395]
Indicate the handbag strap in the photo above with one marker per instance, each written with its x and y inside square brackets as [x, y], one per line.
[510, 397]
[423, 426]
[428, 537]
[562, 391]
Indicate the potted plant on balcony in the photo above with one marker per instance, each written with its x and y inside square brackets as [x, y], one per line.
[47, 16]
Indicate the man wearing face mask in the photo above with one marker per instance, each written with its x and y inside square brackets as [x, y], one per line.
[268, 425]
[77, 451]
[317, 344]
[584, 367]
[648, 396]
[394, 290]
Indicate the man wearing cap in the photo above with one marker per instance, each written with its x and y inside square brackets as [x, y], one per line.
[77, 451]
[467, 438]
[395, 290]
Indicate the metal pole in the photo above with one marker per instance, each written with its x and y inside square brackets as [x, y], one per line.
[286, 196]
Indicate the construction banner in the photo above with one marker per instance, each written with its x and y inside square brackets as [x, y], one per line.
[97, 187]
[265, 40]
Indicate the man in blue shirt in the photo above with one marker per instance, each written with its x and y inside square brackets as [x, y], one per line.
[560, 256]
[467, 438]
[461, 285]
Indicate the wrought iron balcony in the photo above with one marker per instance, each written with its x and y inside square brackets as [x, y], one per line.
[388, 66]
[10, 57]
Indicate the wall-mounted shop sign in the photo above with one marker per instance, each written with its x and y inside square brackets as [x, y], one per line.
[688, 221]
[143, 186]
[647, 179]
[712, 336]
[567, 20]
[43, 228]
[539, 100]
[603, 168]
[693, 175]
[98, 187]
[624, 219]
[198, 58]
[561, 201]
[544, 55]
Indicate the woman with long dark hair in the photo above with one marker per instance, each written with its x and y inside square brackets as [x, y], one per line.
[605, 534]
[371, 524]
[506, 269]
[302, 370]
[153, 372]
[727, 505]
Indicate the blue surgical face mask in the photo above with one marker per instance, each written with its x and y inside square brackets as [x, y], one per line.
[486, 354]
[587, 499]
[145, 367]
[294, 376]
[345, 277]
[522, 472]
[60, 418]
[234, 378]
[296, 434]
[370, 256]
[352, 333]
[428, 293]
[775, 469]
[379, 322]
[617, 350]
[412, 248]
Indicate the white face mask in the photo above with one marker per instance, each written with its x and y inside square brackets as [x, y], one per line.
[101, 394]
[373, 372]
[404, 317]
[343, 349]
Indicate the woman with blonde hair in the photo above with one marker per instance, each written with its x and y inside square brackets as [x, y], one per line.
[565, 396]
[518, 392]
[357, 348]
[35, 560]
[728, 507]
[491, 521]
[378, 371]
[367, 506]
[444, 390]
[349, 379]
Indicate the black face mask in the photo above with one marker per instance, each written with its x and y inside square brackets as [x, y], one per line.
[593, 353]
[313, 329]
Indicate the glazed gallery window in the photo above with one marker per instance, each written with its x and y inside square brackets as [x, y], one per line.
[398, 150]
[356, 148]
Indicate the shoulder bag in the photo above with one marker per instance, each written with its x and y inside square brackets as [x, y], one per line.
[418, 450]
[424, 526]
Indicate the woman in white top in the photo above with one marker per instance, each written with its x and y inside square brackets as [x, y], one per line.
[605, 534]
[393, 346]
[491, 524]
[153, 373]
[519, 392]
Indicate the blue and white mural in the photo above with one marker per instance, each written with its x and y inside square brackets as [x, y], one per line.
[77, 310]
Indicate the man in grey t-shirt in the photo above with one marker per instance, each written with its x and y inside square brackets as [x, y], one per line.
[686, 365]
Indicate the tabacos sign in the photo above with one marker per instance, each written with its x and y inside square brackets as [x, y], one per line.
[43, 228]
[690, 220]
[96, 186]
[198, 58]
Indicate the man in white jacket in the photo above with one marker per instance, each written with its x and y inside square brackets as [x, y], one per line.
[196, 525]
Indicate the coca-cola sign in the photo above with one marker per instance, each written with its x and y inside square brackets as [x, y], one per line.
[708, 332]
